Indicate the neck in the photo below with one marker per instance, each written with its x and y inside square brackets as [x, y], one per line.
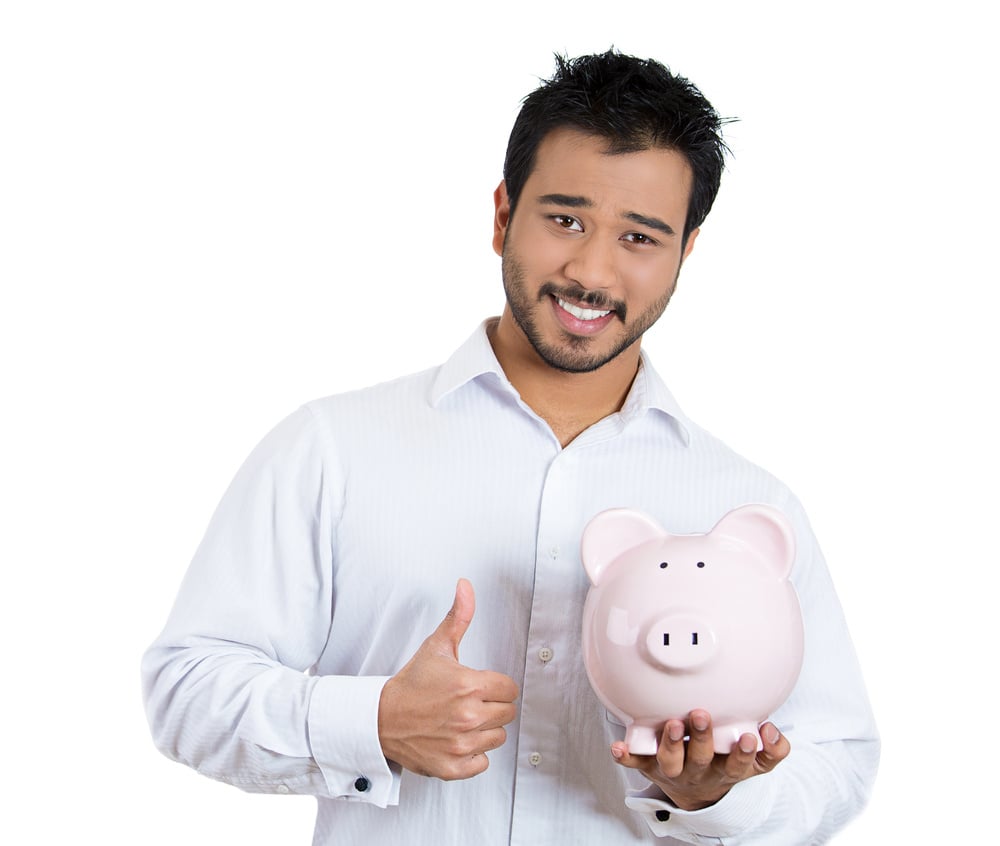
[568, 402]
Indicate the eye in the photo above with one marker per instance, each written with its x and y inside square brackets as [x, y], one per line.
[639, 238]
[701, 564]
[565, 221]
[663, 565]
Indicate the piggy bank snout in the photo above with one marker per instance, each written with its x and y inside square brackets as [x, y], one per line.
[681, 641]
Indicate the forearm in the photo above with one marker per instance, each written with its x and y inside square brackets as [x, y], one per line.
[234, 714]
[226, 683]
[231, 713]
[806, 799]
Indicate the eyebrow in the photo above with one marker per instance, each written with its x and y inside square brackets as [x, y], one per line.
[651, 222]
[573, 201]
[569, 200]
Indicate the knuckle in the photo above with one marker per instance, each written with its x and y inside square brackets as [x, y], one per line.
[466, 718]
[451, 772]
[459, 747]
[670, 764]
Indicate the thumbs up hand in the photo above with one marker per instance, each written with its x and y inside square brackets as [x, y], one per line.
[437, 717]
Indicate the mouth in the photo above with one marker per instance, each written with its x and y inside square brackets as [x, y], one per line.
[581, 313]
[580, 320]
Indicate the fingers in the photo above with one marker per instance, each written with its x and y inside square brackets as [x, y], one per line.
[438, 717]
[486, 716]
[446, 638]
[776, 748]
[741, 761]
[701, 746]
[671, 752]
[696, 756]
[497, 687]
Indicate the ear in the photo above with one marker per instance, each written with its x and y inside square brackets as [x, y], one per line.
[764, 529]
[611, 533]
[501, 217]
[689, 244]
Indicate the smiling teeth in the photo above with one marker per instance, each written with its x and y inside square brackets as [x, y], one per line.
[582, 313]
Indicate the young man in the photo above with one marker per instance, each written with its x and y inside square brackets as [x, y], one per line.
[306, 652]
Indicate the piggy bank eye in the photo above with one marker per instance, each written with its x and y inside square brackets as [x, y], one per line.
[701, 564]
[663, 565]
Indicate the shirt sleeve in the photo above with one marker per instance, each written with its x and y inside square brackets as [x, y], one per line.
[827, 778]
[227, 684]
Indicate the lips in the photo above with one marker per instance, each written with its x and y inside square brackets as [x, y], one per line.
[582, 313]
[579, 320]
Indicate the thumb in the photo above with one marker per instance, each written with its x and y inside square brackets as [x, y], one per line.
[448, 635]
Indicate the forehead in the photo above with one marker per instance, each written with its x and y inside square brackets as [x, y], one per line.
[656, 181]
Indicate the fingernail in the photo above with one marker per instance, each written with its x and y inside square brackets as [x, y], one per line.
[618, 752]
[675, 732]
[747, 744]
[699, 723]
[771, 734]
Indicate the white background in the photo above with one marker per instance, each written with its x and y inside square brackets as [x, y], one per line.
[211, 212]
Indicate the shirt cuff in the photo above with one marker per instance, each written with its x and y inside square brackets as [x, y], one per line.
[743, 808]
[343, 740]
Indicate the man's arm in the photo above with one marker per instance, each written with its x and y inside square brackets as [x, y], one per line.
[226, 685]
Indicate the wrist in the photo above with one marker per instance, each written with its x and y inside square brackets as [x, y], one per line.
[687, 800]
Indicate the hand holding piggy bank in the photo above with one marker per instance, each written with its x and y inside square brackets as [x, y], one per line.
[674, 623]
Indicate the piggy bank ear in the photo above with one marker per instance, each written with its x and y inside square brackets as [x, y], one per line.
[766, 530]
[611, 533]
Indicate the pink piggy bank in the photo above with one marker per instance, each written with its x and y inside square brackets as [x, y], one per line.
[678, 622]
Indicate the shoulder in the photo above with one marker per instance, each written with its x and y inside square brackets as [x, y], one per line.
[392, 399]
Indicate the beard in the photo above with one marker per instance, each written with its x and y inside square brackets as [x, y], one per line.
[573, 353]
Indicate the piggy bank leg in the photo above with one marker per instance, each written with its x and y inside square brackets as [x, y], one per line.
[725, 736]
[641, 740]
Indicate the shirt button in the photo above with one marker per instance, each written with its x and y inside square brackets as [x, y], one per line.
[362, 785]
[554, 551]
[545, 654]
[535, 758]
[282, 788]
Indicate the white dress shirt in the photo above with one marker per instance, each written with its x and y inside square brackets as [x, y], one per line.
[336, 551]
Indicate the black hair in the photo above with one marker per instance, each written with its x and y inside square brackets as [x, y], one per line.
[635, 104]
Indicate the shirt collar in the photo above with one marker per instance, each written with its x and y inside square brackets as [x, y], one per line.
[475, 359]
[650, 392]
[470, 361]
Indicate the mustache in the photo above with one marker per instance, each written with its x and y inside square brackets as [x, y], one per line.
[579, 294]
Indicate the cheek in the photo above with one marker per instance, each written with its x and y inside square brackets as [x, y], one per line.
[652, 280]
[538, 252]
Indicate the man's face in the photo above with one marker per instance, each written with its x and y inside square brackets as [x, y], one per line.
[592, 254]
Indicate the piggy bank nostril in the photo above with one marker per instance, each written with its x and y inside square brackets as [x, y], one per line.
[694, 638]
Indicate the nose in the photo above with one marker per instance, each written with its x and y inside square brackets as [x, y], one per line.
[591, 264]
[681, 641]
